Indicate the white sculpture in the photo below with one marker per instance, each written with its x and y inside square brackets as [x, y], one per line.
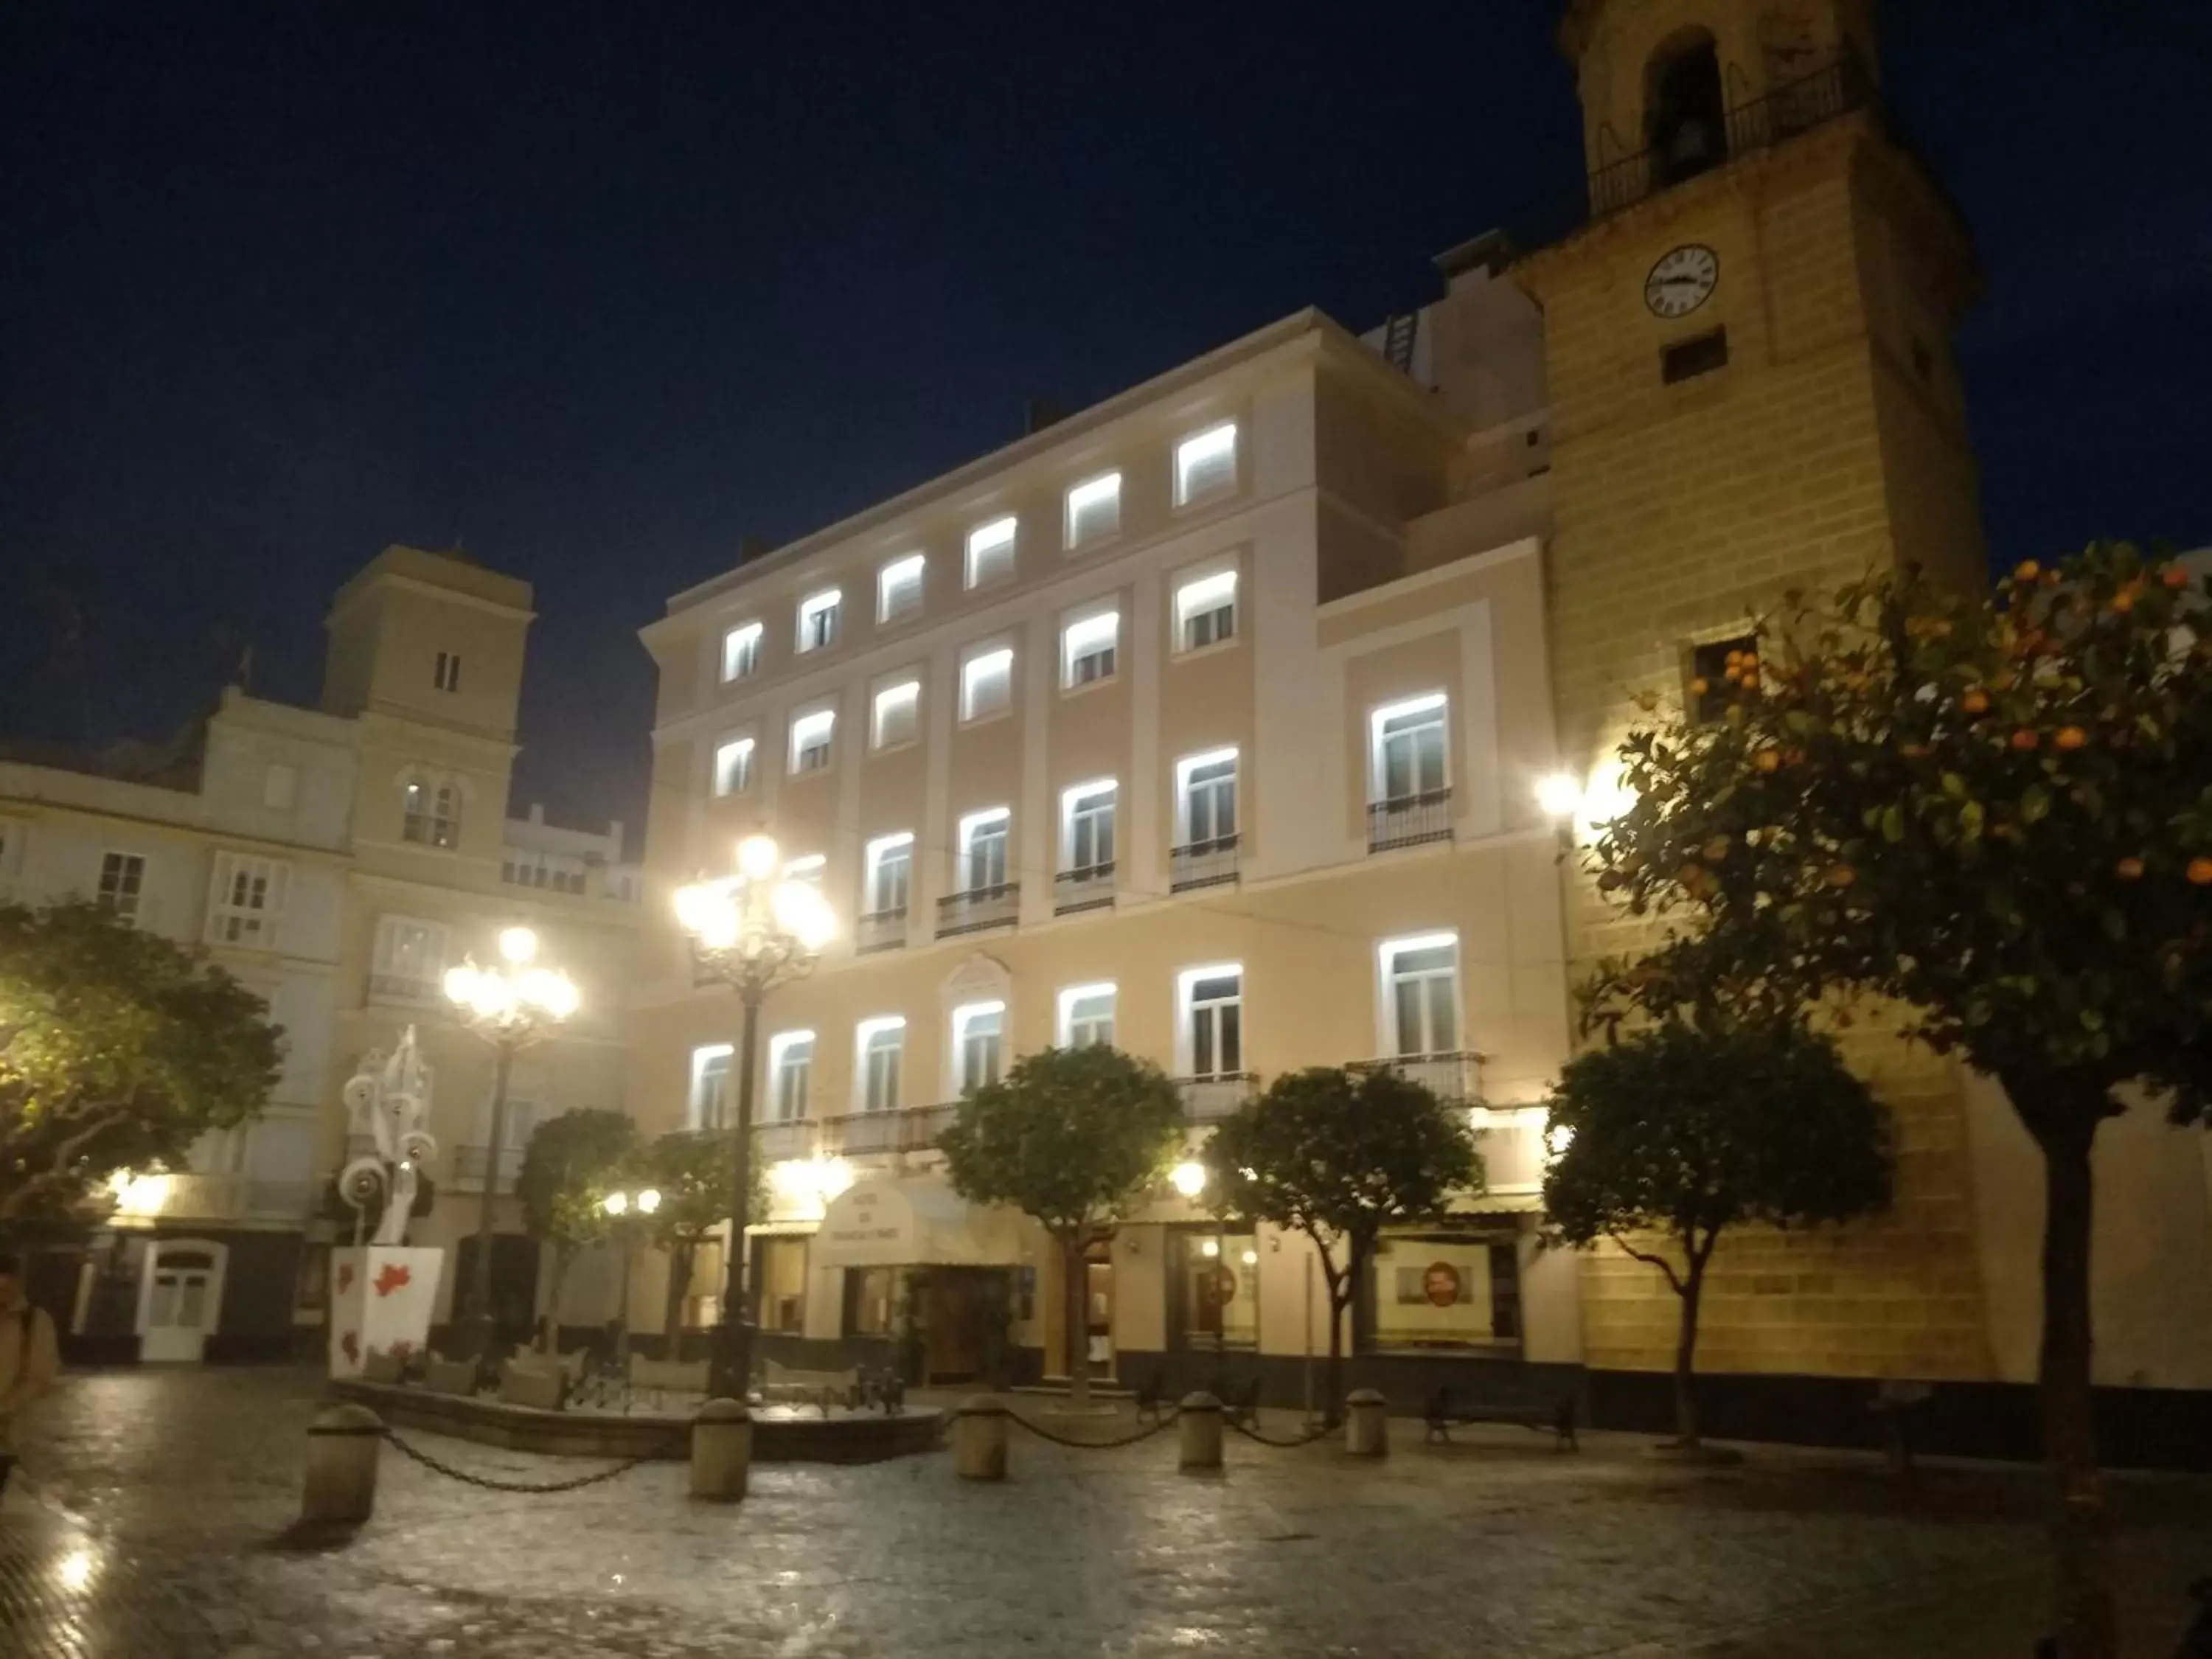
[387, 1102]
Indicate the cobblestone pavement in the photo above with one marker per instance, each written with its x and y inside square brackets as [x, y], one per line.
[151, 1523]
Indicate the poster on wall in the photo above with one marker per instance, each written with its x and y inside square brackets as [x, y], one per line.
[382, 1296]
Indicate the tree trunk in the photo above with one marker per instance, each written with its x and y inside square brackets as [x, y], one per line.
[1692, 1291]
[548, 1341]
[679, 1287]
[1340, 1300]
[1077, 1271]
[2078, 1536]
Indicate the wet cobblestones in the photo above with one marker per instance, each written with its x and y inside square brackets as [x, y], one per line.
[152, 1519]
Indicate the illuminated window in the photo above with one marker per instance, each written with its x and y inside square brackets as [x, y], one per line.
[1087, 824]
[1086, 1017]
[1205, 463]
[978, 1030]
[1094, 510]
[1205, 610]
[987, 684]
[710, 1084]
[881, 1057]
[733, 766]
[809, 740]
[898, 589]
[817, 620]
[1206, 797]
[741, 651]
[991, 551]
[889, 874]
[790, 1070]
[1420, 985]
[1087, 649]
[893, 719]
[1211, 1043]
[1409, 756]
[983, 850]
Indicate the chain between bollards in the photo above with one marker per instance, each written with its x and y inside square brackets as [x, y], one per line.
[1144, 1432]
[658, 1451]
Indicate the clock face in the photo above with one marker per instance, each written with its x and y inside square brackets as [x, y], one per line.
[1683, 280]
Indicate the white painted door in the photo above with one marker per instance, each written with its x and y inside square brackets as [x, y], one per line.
[183, 1294]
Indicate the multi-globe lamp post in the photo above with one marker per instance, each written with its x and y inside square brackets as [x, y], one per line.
[511, 1006]
[758, 929]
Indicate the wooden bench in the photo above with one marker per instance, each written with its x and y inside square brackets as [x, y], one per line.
[1462, 1403]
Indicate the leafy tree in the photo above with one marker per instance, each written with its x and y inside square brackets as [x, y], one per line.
[1075, 1138]
[570, 1163]
[691, 1170]
[1339, 1155]
[1686, 1131]
[1995, 810]
[118, 1049]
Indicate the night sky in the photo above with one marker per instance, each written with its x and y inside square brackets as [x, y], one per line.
[593, 291]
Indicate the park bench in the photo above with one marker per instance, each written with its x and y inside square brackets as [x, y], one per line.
[1461, 1403]
[660, 1377]
[790, 1384]
[536, 1382]
[454, 1377]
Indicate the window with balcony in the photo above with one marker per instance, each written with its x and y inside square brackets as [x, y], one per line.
[1212, 1036]
[409, 959]
[809, 740]
[1087, 1015]
[741, 652]
[733, 766]
[1205, 820]
[898, 589]
[790, 1069]
[1420, 979]
[983, 850]
[710, 1086]
[978, 1030]
[122, 884]
[1087, 649]
[246, 900]
[991, 551]
[1205, 464]
[1094, 510]
[817, 620]
[987, 684]
[1205, 611]
[881, 1057]
[1409, 788]
[895, 715]
[888, 875]
[1086, 846]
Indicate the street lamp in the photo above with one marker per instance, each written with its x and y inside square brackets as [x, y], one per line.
[752, 932]
[1189, 1179]
[510, 1007]
[620, 1207]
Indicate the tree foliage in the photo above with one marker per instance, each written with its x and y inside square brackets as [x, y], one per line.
[569, 1163]
[1340, 1155]
[118, 1049]
[1686, 1131]
[692, 1169]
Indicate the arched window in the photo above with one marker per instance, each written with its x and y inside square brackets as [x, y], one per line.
[1686, 115]
[444, 815]
[430, 813]
[415, 810]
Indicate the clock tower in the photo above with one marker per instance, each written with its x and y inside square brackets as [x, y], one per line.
[1747, 350]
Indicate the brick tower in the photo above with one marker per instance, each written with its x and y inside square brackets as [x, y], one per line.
[1752, 386]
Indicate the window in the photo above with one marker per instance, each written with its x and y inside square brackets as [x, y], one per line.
[280, 788]
[882, 1044]
[1087, 1015]
[1719, 672]
[741, 652]
[895, 715]
[869, 1294]
[991, 551]
[710, 1085]
[976, 1029]
[247, 899]
[809, 740]
[987, 684]
[1213, 1020]
[790, 1066]
[733, 766]
[898, 588]
[1205, 611]
[1444, 1290]
[1088, 811]
[1206, 791]
[1690, 358]
[1221, 1283]
[817, 620]
[122, 884]
[1094, 510]
[889, 874]
[1420, 987]
[447, 677]
[409, 959]
[983, 850]
[1086, 649]
[1409, 750]
[1205, 463]
[783, 1286]
[431, 814]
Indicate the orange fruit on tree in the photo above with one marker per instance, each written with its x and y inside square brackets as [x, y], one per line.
[1842, 875]
[1975, 701]
[2124, 601]
[2028, 570]
[2025, 739]
[2129, 869]
[1700, 686]
[2177, 576]
[2200, 871]
[1766, 760]
[2070, 737]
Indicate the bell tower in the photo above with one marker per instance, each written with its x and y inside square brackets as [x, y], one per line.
[1747, 347]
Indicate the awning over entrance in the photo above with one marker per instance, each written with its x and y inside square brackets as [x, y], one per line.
[919, 1221]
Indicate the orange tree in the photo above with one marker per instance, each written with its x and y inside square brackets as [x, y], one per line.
[1996, 810]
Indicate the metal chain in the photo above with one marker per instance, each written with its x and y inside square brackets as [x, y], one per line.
[490, 1485]
[1305, 1439]
[1144, 1432]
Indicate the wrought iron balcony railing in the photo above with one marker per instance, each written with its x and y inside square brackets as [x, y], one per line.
[908, 1129]
[1209, 1099]
[1455, 1077]
[1409, 820]
[1087, 887]
[776, 1143]
[979, 908]
[1202, 863]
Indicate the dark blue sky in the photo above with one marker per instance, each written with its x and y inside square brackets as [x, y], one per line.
[598, 289]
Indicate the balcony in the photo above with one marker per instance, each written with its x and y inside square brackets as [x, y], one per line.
[1455, 1077]
[406, 990]
[910, 1129]
[1090, 887]
[879, 930]
[469, 1168]
[979, 908]
[1209, 1099]
[777, 1143]
[1409, 820]
[192, 1195]
[1202, 864]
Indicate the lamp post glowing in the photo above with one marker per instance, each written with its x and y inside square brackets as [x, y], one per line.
[622, 1207]
[752, 932]
[510, 1007]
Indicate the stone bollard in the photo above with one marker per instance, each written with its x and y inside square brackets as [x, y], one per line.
[342, 1443]
[721, 1451]
[979, 1439]
[1367, 1426]
[1199, 1432]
